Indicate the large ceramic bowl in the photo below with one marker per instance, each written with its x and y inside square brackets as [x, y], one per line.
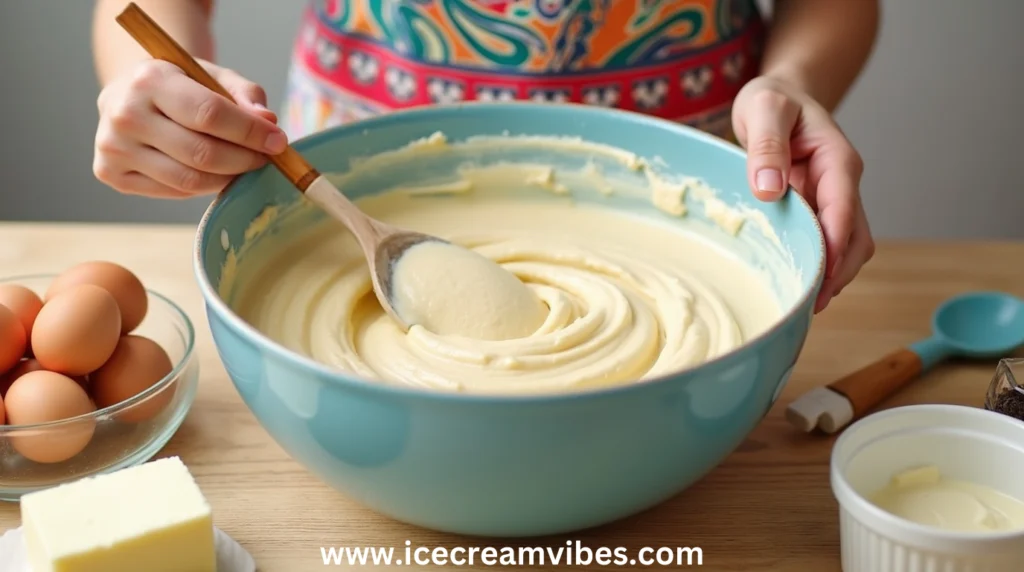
[518, 466]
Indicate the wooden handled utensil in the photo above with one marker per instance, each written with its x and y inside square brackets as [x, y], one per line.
[976, 325]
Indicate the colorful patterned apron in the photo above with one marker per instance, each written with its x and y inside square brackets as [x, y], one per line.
[683, 60]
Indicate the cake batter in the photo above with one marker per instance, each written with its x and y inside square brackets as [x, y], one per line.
[624, 298]
[454, 291]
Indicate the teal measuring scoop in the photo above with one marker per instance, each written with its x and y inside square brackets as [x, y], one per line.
[976, 325]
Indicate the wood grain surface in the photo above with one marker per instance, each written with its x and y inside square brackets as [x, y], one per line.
[767, 508]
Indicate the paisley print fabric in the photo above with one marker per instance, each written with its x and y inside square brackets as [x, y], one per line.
[683, 60]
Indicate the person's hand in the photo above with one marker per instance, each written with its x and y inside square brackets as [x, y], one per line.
[163, 135]
[792, 140]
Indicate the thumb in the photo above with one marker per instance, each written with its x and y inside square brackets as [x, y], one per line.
[770, 122]
[247, 94]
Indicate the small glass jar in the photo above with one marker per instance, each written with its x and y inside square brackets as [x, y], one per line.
[1005, 393]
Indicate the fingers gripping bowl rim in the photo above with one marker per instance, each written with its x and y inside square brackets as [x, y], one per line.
[118, 441]
[672, 430]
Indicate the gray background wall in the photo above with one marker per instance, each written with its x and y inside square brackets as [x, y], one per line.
[937, 115]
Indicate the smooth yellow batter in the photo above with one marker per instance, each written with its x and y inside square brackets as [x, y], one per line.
[622, 298]
[454, 291]
[923, 496]
[625, 298]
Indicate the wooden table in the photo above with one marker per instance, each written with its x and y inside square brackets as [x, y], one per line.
[767, 508]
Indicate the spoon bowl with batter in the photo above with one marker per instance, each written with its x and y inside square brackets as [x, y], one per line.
[423, 280]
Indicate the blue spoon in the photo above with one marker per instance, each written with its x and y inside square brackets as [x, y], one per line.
[977, 325]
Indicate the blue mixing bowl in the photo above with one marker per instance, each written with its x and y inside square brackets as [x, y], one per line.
[517, 466]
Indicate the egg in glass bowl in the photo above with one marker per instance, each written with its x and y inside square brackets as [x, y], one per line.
[101, 373]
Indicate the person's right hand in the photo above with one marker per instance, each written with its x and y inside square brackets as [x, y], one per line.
[163, 135]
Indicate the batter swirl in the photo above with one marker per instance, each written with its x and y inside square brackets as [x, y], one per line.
[626, 299]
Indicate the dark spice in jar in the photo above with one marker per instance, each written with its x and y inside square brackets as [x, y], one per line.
[1010, 402]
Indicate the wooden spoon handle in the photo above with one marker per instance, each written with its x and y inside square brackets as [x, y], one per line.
[162, 46]
[873, 383]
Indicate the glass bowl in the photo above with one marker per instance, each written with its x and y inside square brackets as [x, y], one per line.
[125, 434]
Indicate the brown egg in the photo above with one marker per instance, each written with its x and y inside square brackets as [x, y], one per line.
[126, 288]
[23, 302]
[77, 330]
[42, 397]
[23, 367]
[13, 340]
[137, 364]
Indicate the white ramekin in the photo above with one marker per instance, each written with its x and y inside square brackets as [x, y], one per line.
[965, 443]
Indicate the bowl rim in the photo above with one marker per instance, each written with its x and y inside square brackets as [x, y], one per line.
[908, 531]
[176, 371]
[353, 381]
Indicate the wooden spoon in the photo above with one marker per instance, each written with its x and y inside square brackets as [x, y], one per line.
[382, 244]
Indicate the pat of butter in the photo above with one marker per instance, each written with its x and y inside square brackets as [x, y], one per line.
[922, 495]
[928, 475]
[150, 518]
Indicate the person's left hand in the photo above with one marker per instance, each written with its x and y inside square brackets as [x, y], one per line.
[792, 140]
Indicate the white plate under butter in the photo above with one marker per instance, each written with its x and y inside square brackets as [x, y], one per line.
[231, 557]
[964, 443]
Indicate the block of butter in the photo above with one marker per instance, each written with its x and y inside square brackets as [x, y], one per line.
[148, 518]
